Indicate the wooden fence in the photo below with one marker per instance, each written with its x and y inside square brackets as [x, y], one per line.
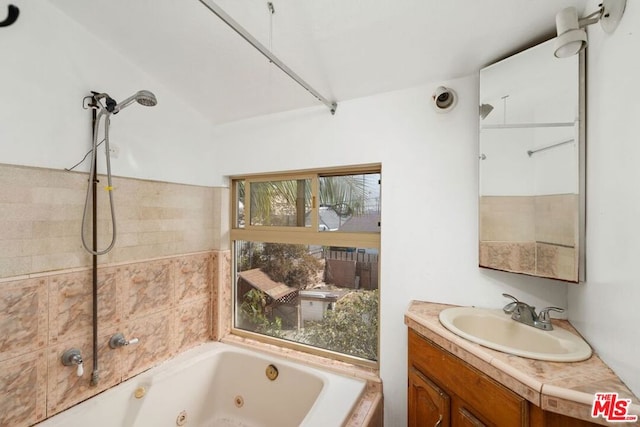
[340, 271]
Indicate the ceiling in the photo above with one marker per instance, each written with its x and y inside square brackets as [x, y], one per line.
[344, 49]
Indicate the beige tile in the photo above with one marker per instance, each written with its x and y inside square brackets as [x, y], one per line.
[148, 287]
[65, 388]
[368, 410]
[71, 303]
[193, 323]
[516, 257]
[14, 266]
[222, 310]
[41, 219]
[23, 389]
[17, 230]
[23, 317]
[557, 262]
[156, 343]
[556, 219]
[193, 277]
[507, 218]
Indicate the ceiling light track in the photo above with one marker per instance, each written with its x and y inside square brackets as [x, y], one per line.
[235, 26]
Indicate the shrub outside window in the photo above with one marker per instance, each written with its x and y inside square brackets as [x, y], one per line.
[306, 257]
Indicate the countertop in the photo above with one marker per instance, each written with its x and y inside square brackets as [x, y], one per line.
[563, 387]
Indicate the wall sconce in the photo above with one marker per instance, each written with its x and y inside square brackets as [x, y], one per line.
[572, 36]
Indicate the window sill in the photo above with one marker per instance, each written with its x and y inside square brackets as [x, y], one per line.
[344, 368]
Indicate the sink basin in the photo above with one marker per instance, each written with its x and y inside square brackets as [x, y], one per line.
[495, 329]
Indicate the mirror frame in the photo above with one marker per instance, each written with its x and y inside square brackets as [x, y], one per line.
[581, 164]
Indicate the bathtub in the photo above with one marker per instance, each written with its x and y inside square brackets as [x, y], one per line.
[219, 384]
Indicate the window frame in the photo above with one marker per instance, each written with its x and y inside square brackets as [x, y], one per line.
[297, 235]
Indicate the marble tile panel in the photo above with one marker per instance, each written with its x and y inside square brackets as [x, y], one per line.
[557, 261]
[368, 409]
[156, 343]
[193, 324]
[193, 277]
[148, 287]
[222, 283]
[519, 257]
[65, 388]
[71, 303]
[215, 292]
[23, 317]
[23, 389]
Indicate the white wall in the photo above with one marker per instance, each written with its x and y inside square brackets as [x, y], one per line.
[429, 201]
[605, 309]
[49, 63]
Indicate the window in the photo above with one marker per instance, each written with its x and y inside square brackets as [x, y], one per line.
[306, 251]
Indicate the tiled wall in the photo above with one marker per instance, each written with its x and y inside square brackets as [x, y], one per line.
[157, 284]
[41, 214]
[165, 303]
[530, 234]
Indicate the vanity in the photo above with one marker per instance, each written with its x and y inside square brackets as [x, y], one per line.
[455, 382]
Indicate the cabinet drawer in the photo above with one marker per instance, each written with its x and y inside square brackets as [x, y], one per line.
[490, 400]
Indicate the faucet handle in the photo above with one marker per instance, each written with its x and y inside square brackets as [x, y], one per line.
[73, 357]
[510, 297]
[510, 308]
[118, 340]
[544, 313]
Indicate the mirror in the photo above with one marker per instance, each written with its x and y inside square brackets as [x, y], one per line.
[532, 186]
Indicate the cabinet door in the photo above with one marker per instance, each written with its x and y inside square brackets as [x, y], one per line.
[428, 405]
[489, 401]
[462, 416]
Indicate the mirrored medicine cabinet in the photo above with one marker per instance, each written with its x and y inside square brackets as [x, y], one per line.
[532, 165]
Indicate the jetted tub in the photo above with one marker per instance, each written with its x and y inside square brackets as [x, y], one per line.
[218, 384]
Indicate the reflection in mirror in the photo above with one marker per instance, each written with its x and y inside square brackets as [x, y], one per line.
[532, 165]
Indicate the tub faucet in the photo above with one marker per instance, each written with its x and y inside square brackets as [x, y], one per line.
[73, 357]
[118, 340]
[524, 313]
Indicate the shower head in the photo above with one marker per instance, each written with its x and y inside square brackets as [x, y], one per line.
[143, 97]
[146, 98]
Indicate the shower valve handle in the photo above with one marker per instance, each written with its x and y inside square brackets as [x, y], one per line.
[118, 340]
[73, 357]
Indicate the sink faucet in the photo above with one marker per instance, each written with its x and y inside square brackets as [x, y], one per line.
[524, 313]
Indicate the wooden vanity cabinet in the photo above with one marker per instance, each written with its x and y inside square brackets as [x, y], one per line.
[445, 391]
[428, 404]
